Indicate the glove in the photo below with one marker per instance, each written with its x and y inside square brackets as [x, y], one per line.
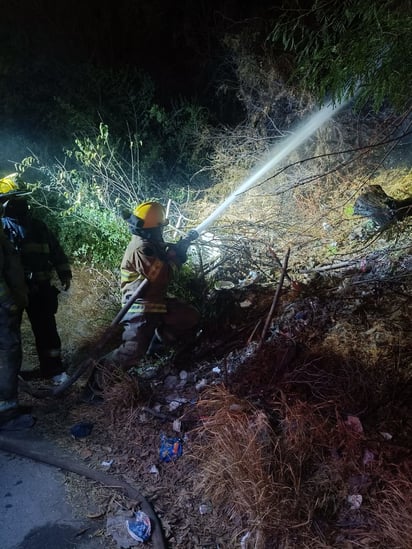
[191, 235]
[66, 282]
[180, 248]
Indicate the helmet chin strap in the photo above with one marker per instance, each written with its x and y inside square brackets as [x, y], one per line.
[155, 233]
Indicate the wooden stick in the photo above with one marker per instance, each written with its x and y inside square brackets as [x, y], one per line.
[275, 299]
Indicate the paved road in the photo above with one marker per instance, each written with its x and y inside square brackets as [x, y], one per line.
[34, 508]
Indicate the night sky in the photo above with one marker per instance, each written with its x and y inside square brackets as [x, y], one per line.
[178, 43]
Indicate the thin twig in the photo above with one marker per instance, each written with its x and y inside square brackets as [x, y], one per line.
[272, 252]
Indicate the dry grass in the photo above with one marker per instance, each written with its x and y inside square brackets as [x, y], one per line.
[121, 394]
[234, 444]
[391, 510]
[253, 471]
[283, 472]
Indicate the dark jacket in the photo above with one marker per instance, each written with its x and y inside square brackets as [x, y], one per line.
[12, 284]
[39, 248]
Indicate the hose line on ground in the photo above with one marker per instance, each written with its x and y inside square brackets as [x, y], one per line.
[31, 448]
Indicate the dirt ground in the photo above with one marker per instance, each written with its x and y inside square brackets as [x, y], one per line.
[330, 385]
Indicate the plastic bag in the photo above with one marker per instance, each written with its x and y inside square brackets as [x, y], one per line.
[139, 527]
[170, 448]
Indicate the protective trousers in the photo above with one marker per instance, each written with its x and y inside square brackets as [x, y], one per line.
[177, 324]
[10, 354]
[41, 311]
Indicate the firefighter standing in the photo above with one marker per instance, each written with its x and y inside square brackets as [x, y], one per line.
[40, 254]
[13, 299]
[154, 317]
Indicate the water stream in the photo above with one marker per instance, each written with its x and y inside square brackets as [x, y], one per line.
[280, 151]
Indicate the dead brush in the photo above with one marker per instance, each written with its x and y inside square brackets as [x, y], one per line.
[234, 446]
[255, 474]
[121, 395]
[391, 511]
[304, 427]
[285, 480]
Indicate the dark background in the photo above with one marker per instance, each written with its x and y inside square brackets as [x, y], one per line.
[179, 44]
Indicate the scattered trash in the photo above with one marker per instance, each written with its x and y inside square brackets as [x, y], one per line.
[115, 527]
[354, 424]
[81, 430]
[174, 405]
[139, 528]
[216, 370]
[224, 285]
[205, 508]
[244, 539]
[170, 382]
[177, 425]
[245, 304]
[355, 501]
[170, 449]
[386, 436]
[250, 279]
[107, 464]
[154, 470]
[201, 384]
[368, 456]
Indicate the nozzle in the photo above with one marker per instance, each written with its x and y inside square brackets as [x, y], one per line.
[192, 235]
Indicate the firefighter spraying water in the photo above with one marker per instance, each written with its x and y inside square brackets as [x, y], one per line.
[152, 319]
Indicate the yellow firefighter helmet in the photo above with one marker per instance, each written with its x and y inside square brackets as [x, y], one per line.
[151, 215]
[8, 186]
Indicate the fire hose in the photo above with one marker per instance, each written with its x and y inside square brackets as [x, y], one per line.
[84, 365]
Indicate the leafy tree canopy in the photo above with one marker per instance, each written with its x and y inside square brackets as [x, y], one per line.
[342, 45]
